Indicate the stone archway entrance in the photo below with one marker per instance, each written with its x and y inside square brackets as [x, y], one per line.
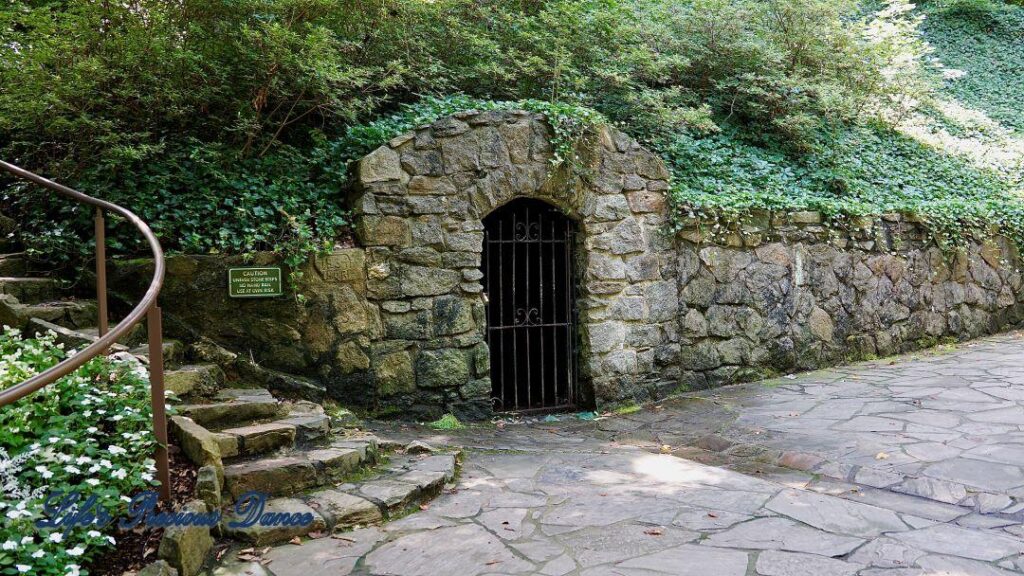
[421, 206]
[529, 282]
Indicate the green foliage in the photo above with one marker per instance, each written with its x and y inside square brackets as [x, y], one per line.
[447, 422]
[191, 112]
[89, 432]
[855, 172]
[198, 199]
[984, 39]
[231, 125]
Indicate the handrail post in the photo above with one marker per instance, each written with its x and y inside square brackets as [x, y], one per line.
[101, 273]
[156, 386]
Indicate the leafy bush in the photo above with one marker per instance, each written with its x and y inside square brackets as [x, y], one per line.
[89, 432]
[231, 125]
[227, 124]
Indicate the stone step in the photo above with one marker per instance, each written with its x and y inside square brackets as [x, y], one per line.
[308, 426]
[72, 339]
[234, 406]
[31, 290]
[257, 439]
[174, 352]
[194, 379]
[75, 314]
[15, 264]
[404, 484]
[407, 482]
[136, 335]
[300, 470]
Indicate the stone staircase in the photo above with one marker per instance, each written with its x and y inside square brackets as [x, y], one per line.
[305, 460]
[242, 437]
[34, 301]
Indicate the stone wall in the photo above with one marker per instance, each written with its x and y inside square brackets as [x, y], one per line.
[397, 325]
[320, 332]
[791, 293]
[418, 211]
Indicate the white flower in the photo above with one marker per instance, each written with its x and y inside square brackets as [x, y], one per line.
[120, 474]
[44, 472]
[146, 477]
[73, 569]
[92, 429]
[27, 540]
[83, 460]
[39, 553]
[116, 450]
[116, 417]
[92, 482]
[53, 439]
[22, 568]
[72, 470]
[10, 545]
[76, 551]
[93, 534]
[56, 537]
[111, 540]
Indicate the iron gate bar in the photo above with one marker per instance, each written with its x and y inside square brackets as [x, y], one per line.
[532, 321]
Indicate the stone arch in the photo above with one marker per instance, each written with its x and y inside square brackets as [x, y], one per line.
[418, 210]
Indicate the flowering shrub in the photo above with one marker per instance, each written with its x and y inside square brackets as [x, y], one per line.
[88, 432]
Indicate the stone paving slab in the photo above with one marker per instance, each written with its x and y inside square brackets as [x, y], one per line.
[624, 511]
[909, 469]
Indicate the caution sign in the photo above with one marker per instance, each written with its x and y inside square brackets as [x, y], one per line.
[254, 282]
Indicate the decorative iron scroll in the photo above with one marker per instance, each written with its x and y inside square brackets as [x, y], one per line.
[526, 231]
[526, 317]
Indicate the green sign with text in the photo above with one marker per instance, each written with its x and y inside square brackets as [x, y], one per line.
[254, 282]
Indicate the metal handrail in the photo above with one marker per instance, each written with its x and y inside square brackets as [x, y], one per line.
[148, 307]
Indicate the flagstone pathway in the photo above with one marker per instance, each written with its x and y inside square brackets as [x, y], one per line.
[905, 467]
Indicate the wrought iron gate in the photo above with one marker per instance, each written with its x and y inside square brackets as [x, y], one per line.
[531, 311]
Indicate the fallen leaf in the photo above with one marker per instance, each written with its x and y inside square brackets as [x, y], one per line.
[316, 534]
[296, 541]
[425, 506]
[654, 532]
[712, 515]
[881, 456]
[665, 448]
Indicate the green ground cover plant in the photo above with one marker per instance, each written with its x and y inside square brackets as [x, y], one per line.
[89, 432]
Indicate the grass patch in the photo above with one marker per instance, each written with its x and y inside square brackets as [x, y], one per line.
[447, 422]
